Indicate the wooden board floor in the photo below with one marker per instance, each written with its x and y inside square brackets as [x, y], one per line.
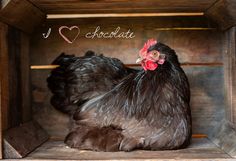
[199, 149]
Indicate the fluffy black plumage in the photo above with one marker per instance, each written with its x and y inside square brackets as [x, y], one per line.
[79, 79]
[145, 110]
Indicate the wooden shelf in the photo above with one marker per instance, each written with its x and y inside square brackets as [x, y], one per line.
[199, 149]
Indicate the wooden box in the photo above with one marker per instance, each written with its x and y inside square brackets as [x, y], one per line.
[202, 32]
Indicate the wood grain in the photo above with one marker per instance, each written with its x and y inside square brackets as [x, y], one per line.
[25, 78]
[207, 97]
[43, 66]
[224, 136]
[223, 12]
[15, 95]
[199, 149]
[230, 76]
[21, 140]
[0, 122]
[14, 77]
[221, 159]
[4, 71]
[21, 14]
[2, 101]
[187, 43]
[64, 16]
[121, 6]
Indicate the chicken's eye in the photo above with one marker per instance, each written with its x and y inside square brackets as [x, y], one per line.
[155, 53]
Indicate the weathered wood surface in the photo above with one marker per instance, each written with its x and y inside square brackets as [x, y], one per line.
[199, 149]
[224, 13]
[0, 122]
[207, 97]
[109, 15]
[121, 6]
[230, 73]
[4, 71]
[2, 48]
[215, 159]
[25, 78]
[224, 136]
[15, 97]
[20, 141]
[10, 76]
[186, 42]
[15, 81]
[21, 14]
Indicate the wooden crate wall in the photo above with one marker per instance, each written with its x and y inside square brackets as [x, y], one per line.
[230, 73]
[15, 89]
[197, 43]
[16, 124]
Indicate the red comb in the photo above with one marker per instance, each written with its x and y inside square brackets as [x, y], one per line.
[147, 45]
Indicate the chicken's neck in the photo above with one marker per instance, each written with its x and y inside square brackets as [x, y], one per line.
[140, 92]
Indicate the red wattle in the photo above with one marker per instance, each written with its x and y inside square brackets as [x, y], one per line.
[149, 65]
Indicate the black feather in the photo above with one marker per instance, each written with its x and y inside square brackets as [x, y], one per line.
[79, 79]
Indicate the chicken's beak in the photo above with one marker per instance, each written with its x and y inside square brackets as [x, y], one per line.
[139, 60]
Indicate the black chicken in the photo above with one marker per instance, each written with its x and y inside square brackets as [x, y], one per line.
[126, 109]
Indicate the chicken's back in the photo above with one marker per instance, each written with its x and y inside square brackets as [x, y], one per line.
[79, 79]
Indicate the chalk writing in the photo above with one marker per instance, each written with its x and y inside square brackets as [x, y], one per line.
[108, 35]
[46, 35]
[97, 33]
[70, 29]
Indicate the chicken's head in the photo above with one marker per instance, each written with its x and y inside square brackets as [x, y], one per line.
[150, 58]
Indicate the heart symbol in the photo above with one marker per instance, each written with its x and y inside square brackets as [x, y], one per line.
[70, 29]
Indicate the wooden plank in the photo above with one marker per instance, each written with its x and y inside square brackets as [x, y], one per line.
[207, 97]
[223, 12]
[199, 149]
[4, 75]
[25, 78]
[230, 76]
[1, 121]
[21, 14]
[121, 6]
[224, 136]
[4, 82]
[199, 136]
[15, 97]
[153, 22]
[215, 159]
[14, 77]
[232, 50]
[63, 16]
[20, 141]
[43, 66]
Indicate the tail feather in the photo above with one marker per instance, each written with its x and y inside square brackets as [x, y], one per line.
[78, 79]
[57, 82]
